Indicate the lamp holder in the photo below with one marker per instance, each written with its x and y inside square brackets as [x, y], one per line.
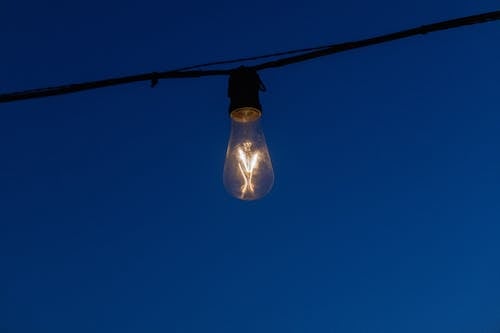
[243, 89]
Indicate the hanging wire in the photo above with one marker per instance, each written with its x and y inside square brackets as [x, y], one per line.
[153, 77]
[245, 59]
[422, 30]
[300, 55]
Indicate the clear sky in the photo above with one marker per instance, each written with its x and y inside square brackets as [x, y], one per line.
[385, 215]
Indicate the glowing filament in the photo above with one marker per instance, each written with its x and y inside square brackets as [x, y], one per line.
[247, 165]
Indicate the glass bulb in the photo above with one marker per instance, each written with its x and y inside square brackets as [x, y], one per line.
[248, 171]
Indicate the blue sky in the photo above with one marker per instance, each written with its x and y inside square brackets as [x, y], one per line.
[384, 216]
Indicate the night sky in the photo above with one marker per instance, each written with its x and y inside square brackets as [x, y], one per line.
[384, 217]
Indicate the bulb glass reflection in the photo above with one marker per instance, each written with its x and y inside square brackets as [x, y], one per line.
[248, 171]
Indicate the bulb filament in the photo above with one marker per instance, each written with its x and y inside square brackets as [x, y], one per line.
[247, 165]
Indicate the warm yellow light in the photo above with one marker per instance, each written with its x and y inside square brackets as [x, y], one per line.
[247, 165]
[248, 171]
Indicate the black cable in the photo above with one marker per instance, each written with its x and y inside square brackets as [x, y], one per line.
[310, 53]
[422, 30]
[184, 72]
[240, 60]
[75, 87]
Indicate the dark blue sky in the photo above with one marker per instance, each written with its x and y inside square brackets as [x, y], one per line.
[385, 212]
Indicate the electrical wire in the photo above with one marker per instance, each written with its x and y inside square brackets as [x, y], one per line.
[422, 30]
[245, 59]
[154, 77]
[301, 55]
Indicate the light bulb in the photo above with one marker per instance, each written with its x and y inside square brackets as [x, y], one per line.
[248, 171]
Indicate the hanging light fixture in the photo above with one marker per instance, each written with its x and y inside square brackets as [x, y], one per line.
[248, 171]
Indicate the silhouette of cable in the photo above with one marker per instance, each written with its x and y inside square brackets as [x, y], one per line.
[304, 54]
[154, 77]
[422, 30]
[245, 59]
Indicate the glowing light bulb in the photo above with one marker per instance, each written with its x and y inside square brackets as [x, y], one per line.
[248, 171]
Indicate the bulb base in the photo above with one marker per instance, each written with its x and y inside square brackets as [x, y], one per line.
[245, 115]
